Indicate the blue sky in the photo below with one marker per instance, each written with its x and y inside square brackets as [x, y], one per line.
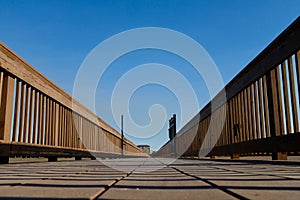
[56, 36]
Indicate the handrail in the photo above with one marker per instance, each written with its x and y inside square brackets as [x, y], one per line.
[262, 105]
[36, 111]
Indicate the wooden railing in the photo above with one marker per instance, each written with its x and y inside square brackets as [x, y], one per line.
[262, 108]
[37, 118]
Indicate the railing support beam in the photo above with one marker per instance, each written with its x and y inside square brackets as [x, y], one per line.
[6, 107]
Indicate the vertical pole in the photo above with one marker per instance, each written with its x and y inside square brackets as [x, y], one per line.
[122, 133]
[6, 106]
[174, 132]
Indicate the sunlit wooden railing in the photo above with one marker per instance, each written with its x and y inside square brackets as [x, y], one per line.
[262, 107]
[37, 118]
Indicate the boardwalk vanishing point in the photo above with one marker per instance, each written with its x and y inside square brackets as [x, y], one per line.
[44, 125]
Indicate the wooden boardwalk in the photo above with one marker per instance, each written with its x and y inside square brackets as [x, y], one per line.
[182, 179]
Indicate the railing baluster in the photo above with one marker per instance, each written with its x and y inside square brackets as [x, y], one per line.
[266, 105]
[293, 95]
[26, 119]
[261, 108]
[1, 85]
[17, 111]
[35, 118]
[22, 113]
[286, 98]
[256, 102]
[279, 100]
[30, 114]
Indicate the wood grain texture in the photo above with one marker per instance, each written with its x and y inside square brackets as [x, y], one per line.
[6, 108]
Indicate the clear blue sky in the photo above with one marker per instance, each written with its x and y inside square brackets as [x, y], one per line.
[56, 36]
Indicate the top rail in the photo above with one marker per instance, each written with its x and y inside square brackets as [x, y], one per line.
[262, 103]
[36, 111]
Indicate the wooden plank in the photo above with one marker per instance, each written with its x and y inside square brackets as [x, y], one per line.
[60, 126]
[49, 122]
[52, 118]
[74, 129]
[27, 103]
[35, 118]
[66, 141]
[286, 98]
[297, 62]
[293, 95]
[222, 125]
[222, 136]
[6, 107]
[71, 130]
[47, 113]
[256, 103]
[39, 129]
[1, 84]
[266, 106]
[31, 113]
[250, 120]
[261, 108]
[238, 121]
[80, 132]
[252, 94]
[56, 137]
[66, 138]
[275, 105]
[22, 113]
[280, 114]
[16, 112]
[42, 119]
[231, 139]
[68, 129]
[236, 116]
[52, 114]
[243, 115]
[75, 118]
[247, 128]
[232, 108]
[63, 128]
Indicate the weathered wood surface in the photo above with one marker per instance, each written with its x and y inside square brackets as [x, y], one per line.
[150, 179]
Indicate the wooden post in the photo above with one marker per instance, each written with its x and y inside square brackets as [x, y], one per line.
[122, 133]
[275, 125]
[235, 156]
[6, 108]
[6, 114]
[52, 159]
[279, 156]
[78, 158]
